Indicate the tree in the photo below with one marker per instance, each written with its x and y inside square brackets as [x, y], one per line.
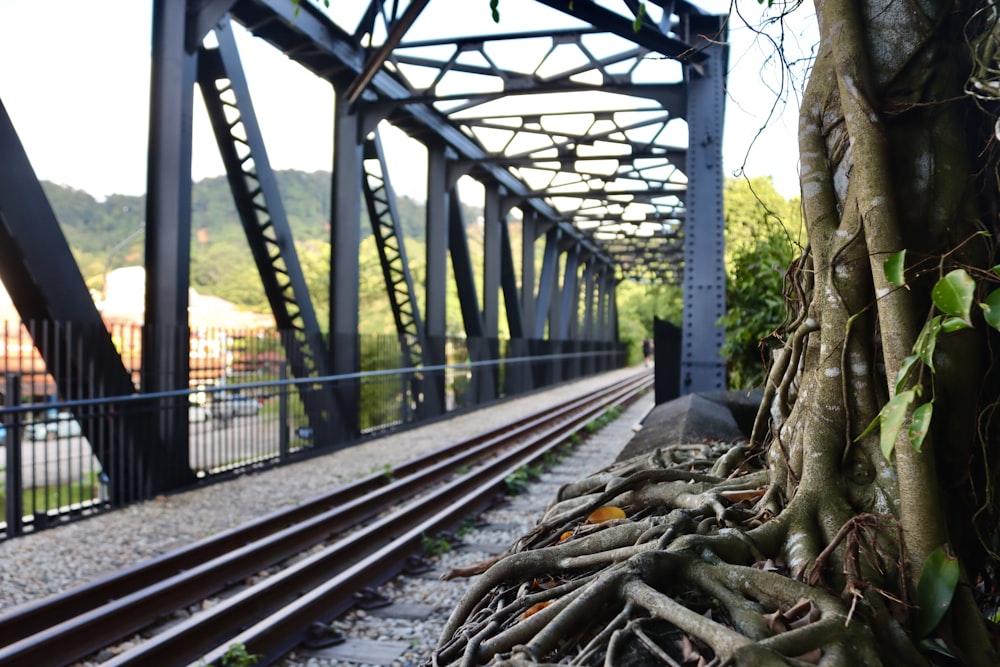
[762, 237]
[638, 304]
[822, 540]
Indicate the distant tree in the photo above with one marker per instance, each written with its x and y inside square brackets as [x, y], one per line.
[762, 239]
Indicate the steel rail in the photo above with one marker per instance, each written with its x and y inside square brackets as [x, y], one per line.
[141, 594]
[279, 611]
[37, 616]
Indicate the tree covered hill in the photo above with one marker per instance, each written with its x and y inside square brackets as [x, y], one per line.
[105, 235]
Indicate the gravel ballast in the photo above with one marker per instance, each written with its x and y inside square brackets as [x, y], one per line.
[51, 561]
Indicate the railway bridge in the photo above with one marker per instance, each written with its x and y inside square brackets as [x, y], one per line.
[594, 126]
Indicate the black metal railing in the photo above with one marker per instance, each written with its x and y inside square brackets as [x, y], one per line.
[70, 452]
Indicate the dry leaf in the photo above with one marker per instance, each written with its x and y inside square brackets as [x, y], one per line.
[565, 536]
[544, 584]
[776, 622]
[535, 608]
[606, 514]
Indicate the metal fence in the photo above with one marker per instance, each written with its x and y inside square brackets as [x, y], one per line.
[64, 459]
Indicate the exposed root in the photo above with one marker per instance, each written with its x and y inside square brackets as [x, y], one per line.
[691, 574]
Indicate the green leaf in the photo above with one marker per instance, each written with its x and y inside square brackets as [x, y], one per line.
[890, 420]
[637, 23]
[953, 293]
[935, 590]
[927, 341]
[996, 269]
[950, 324]
[920, 423]
[904, 371]
[991, 308]
[894, 267]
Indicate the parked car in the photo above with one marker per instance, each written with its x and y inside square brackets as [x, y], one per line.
[225, 406]
[63, 426]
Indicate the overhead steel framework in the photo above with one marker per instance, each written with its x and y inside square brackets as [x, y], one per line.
[598, 132]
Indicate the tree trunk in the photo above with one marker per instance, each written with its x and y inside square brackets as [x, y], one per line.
[720, 549]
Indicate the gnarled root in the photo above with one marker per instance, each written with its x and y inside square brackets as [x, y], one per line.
[691, 573]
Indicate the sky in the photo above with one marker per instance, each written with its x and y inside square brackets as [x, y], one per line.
[79, 97]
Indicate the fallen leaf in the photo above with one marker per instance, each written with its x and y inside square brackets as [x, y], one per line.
[565, 536]
[776, 622]
[544, 584]
[535, 608]
[606, 514]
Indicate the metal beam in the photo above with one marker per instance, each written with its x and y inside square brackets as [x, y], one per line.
[262, 214]
[702, 366]
[166, 339]
[47, 289]
[345, 239]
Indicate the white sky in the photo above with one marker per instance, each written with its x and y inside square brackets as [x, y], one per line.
[74, 78]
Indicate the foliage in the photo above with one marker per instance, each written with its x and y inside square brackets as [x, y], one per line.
[761, 233]
[435, 546]
[638, 304]
[518, 481]
[221, 263]
[238, 656]
[608, 416]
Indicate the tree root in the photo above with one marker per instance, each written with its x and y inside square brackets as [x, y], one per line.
[691, 573]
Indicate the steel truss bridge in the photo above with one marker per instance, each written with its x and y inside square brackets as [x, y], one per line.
[600, 133]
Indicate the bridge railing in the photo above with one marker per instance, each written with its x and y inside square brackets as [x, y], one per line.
[66, 457]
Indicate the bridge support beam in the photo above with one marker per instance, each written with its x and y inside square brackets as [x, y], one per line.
[702, 365]
[345, 239]
[166, 339]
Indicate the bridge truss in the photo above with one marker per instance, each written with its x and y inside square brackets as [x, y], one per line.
[598, 132]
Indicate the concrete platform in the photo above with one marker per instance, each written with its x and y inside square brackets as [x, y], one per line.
[702, 417]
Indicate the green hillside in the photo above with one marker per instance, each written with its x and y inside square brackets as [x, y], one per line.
[108, 234]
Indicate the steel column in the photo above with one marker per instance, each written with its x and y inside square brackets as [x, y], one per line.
[465, 279]
[547, 282]
[568, 299]
[529, 233]
[345, 239]
[166, 346]
[436, 280]
[491, 262]
[702, 366]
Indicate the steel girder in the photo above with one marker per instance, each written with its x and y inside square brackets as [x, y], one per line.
[337, 54]
[608, 164]
[702, 366]
[611, 170]
[386, 227]
[258, 203]
[45, 285]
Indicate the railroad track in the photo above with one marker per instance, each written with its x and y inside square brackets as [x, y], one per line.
[359, 536]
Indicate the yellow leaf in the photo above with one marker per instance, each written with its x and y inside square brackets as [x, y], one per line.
[535, 608]
[565, 536]
[606, 514]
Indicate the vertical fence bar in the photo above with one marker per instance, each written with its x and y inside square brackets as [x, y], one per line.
[284, 444]
[14, 483]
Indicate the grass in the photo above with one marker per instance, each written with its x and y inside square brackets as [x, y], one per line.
[52, 497]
